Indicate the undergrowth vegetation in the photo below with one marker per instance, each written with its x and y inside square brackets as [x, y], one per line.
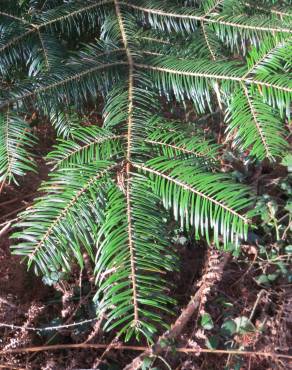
[130, 88]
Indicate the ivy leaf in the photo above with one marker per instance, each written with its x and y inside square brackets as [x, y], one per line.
[243, 325]
[228, 328]
[266, 279]
[287, 161]
[288, 207]
[52, 278]
[207, 322]
[147, 362]
[212, 342]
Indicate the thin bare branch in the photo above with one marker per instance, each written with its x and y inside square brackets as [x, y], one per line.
[120, 347]
[47, 328]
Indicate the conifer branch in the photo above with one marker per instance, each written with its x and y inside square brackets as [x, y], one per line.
[207, 41]
[244, 79]
[128, 159]
[118, 178]
[44, 50]
[37, 27]
[175, 147]
[269, 52]
[272, 10]
[65, 211]
[256, 122]
[13, 17]
[190, 189]
[74, 13]
[209, 20]
[60, 83]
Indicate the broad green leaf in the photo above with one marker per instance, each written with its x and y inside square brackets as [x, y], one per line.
[228, 328]
[206, 321]
[243, 325]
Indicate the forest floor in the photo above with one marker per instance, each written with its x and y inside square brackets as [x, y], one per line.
[241, 312]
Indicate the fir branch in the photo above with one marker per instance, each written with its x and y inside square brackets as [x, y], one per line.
[219, 21]
[65, 211]
[62, 82]
[37, 27]
[258, 126]
[247, 80]
[190, 189]
[128, 159]
[13, 17]
[113, 183]
[208, 280]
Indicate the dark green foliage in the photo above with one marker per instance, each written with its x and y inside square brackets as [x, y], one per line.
[110, 186]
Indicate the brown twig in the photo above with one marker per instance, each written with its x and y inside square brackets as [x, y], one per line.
[259, 296]
[96, 329]
[34, 194]
[46, 328]
[2, 186]
[12, 367]
[5, 228]
[13, 212]
[4, 301]
[22, 337]
[57, 347]
[248, 270]
[111, 345]
[212, 275]
[9, 221]
[286, 230]
[67, 321]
